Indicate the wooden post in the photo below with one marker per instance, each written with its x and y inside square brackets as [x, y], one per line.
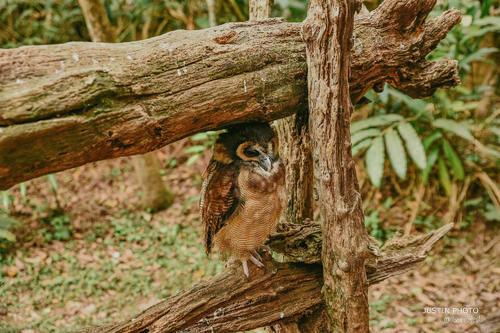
[327, 32]
[260, 9]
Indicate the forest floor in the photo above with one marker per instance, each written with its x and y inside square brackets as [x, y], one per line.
[87, 255]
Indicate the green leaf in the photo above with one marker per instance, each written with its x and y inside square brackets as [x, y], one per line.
[492, 213]
[192, 159]
[454, 127]
[478, 55]
[396, 153]
[199, 136]
[429, 140]
[490, 151]
[444, 176]
[360, 146]
[493, 20]
[414, 145]
[361, 135]
[479, 33]
[375, 121]
[456, 164]
[22, 186]
[431, 160]
[188, 202]
[203, 136]
[5, 200]
[53, 181]
[415, 104]
[196, 149]
[5, 234]
[495, 130]
[375, 161]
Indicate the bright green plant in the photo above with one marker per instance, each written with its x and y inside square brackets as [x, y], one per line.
[7, 238]
[59, 227]
[437, 132]
[202, 142]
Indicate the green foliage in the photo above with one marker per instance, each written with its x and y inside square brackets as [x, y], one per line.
[414, 144]
[375, 161]
[396, 152]
[202, 142]
[59, 227]
[7, 238]
[463, 42]
[440, 129]
[492, 213]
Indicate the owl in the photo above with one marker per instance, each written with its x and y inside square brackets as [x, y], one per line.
[243, 193]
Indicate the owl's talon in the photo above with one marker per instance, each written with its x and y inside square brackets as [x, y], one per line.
[256, 255]
[256, 261]
[245, 268]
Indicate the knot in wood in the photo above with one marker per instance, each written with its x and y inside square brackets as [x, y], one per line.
[344, 265]
[226, 38]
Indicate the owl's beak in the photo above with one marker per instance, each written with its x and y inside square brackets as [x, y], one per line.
[265, 162]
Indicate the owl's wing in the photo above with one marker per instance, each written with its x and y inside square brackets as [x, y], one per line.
[218, 199]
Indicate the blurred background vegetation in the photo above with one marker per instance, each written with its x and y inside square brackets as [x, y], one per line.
[421, 163]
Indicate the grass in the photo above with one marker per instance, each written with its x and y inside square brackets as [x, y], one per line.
[137, 259]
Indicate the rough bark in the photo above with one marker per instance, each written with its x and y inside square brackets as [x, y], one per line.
[259, 9]
[154, 193]
[70, 104]
[295, 151]
[228, 302]
[327, 32]
[96, 19]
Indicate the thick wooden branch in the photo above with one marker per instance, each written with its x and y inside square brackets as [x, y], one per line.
[62, 106]
[228, 302]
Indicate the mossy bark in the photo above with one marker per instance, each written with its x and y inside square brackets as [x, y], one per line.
[228, 302]
[155, 195]
[66, 105]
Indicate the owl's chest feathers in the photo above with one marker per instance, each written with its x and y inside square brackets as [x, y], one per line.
[261, 196]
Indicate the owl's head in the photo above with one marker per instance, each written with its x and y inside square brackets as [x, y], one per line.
[253, 143]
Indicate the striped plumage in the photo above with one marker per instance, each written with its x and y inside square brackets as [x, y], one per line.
[243, 192]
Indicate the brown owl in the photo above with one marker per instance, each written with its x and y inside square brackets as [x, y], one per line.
[243, 192]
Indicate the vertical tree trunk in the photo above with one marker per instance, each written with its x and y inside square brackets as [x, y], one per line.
[259, 9]
[327, 32]
[155, 195]
[295, 152]
[212, 18]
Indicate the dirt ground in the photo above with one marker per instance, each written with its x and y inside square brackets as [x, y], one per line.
[99, 258]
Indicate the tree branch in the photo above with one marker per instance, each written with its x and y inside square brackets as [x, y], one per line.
[70, 104]
[228, 302]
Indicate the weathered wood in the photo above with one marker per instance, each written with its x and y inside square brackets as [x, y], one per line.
[327, 32]
[155, 195]
[62, 106]
[296, 154]
[259, 9]
[96, 19]
[228, 302]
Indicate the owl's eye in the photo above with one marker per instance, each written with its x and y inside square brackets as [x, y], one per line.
[250, 152]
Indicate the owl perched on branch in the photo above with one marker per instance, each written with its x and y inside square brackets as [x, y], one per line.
[243, 192]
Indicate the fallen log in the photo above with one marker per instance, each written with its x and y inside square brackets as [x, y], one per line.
[62, 106]
[228, 302]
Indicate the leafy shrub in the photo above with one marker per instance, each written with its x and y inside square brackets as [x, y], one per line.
[440, 134]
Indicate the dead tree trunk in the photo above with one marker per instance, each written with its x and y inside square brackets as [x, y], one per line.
[66, 105]
[147, 167]
[327, 32]
[229, 303]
